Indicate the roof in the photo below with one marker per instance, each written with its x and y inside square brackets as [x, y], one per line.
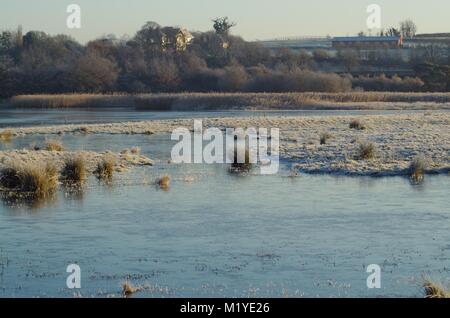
[366, 39]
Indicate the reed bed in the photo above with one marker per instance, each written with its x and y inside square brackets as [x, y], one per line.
[72, 101]
[215, 101]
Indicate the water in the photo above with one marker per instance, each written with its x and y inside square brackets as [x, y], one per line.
[218, 234]
[10, 117]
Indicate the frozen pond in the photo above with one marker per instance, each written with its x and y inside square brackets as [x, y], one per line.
[217, 234]
[10, 117]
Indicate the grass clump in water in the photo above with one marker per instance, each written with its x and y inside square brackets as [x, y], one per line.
[32, 181]
[74, 170]
[164, 183]
[241, 164]
[6, 136]
[105, 168]
[435, 290]
[54, 145]
[417, 169]
[129, 289]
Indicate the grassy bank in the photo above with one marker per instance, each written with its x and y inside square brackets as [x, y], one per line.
[224, 101]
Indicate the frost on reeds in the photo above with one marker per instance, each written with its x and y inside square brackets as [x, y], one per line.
[366, 150]
[105, 168]
[74, 171]
[29, 182]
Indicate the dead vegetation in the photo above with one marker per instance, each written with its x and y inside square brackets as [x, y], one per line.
[31, 180]
[128, 289]
[105, 168]
[325, 137]
[164, 182]
[357, 125]
[74, 170]
[6, 136]
[434, 289]
[417, 169]
[366, 150]
[194, 101]
[54, 145]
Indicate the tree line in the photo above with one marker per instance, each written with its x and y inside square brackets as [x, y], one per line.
[168, 59]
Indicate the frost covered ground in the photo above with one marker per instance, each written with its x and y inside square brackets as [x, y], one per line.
[397, 139]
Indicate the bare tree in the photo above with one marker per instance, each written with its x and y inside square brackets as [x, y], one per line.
[408, 28]
[392, 32]
[222, 25]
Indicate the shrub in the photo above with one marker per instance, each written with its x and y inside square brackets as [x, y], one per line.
[234, 78]
[384, 83]
[298, 81]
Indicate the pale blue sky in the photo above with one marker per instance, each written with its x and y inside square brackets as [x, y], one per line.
[257, 19]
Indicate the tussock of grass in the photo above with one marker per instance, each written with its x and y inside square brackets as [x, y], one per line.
[417, 168]
[324, 137]
[38, 181]
[366, 150]
[238, 164]
[164, 182]
[105, 168]
[136, 150]
[435, 290]
[6, 136]
[54, 145]
[74, 170]
[129, 289]
[82, 130]
[356, 124]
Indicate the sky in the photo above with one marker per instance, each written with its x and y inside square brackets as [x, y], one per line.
[256, 19]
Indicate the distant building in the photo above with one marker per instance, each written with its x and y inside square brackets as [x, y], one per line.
[179, 39]
[367, 42]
